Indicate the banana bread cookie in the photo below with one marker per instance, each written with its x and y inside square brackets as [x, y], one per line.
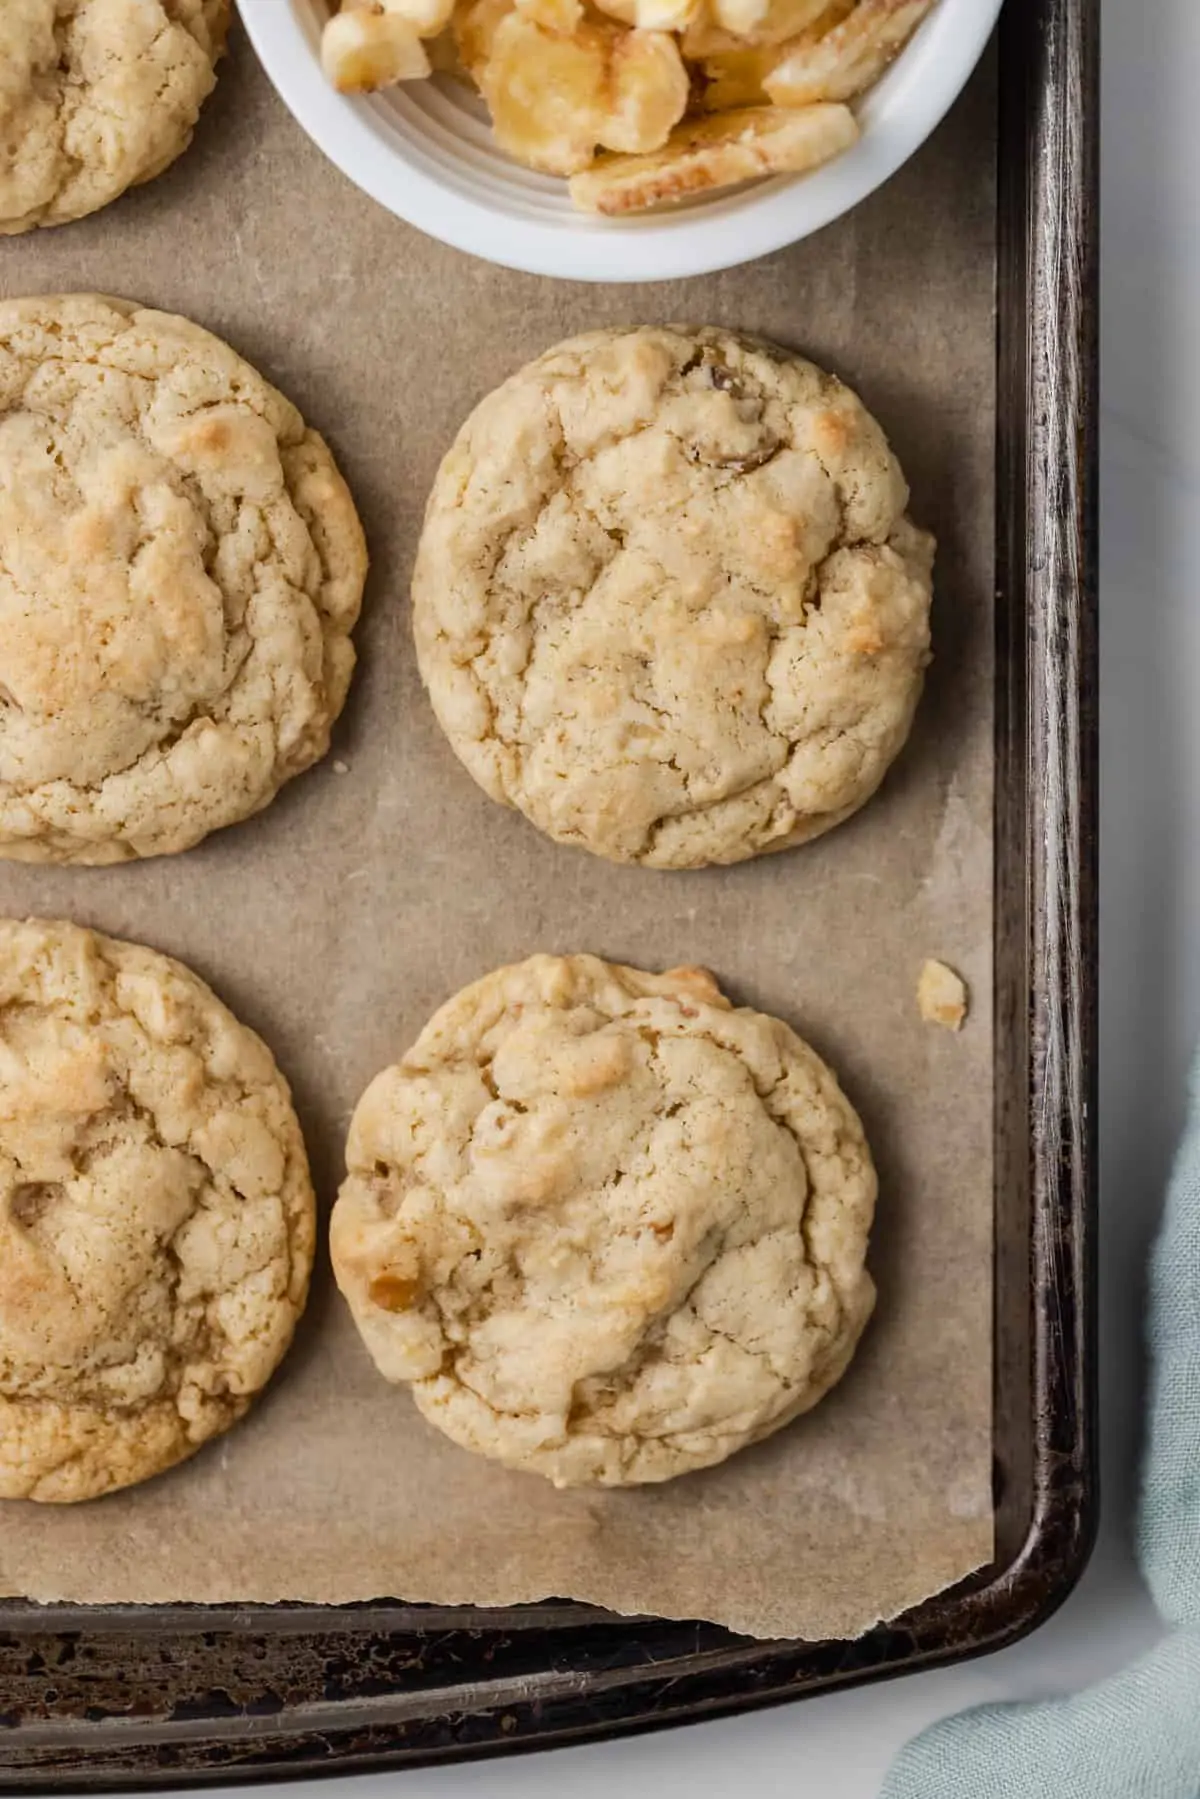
[181, 566]
[97, 96]
[608, 1228]
[157, 1221]
[668, 601]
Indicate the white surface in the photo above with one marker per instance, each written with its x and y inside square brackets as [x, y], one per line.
[838, 1748]
[426, 152]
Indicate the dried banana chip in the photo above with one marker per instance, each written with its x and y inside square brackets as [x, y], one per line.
[718, 151]
[740, 17]
[783, 19]
[427, 17]
[444, 59]
[666, 15]
[554, 98]
[653, 15]
[740, 77]
[564, 16]
[648, 92]
[363, 51]
[547, 94]
[475, 26]
[736, 78]
[843, 62]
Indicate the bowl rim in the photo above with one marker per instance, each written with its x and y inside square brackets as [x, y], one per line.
[737, 226]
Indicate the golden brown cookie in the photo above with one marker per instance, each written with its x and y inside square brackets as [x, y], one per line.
[668, 601]
[157, 1220]
[608, 1228]
[181, 566]
[97, 96]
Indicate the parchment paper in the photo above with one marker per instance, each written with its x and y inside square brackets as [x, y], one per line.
[339, 919]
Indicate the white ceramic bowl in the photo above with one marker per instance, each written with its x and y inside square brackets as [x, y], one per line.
[425, 151]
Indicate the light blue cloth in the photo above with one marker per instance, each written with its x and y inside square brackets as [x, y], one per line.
[1136, 1736]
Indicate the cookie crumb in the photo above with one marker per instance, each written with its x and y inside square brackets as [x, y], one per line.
[341, 768]
[942, 996]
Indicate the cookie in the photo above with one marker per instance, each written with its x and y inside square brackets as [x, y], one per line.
[606, 1227]
[181, 566]
[157, 1220]
[97, 96]
[668, 602]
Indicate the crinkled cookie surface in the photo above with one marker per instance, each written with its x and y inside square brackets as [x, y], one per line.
[668, 601]
[607, 1227]
[97, 96]
[157, 1221]
[181, 566]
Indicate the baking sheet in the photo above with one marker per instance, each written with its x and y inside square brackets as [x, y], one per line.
[339, 919]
